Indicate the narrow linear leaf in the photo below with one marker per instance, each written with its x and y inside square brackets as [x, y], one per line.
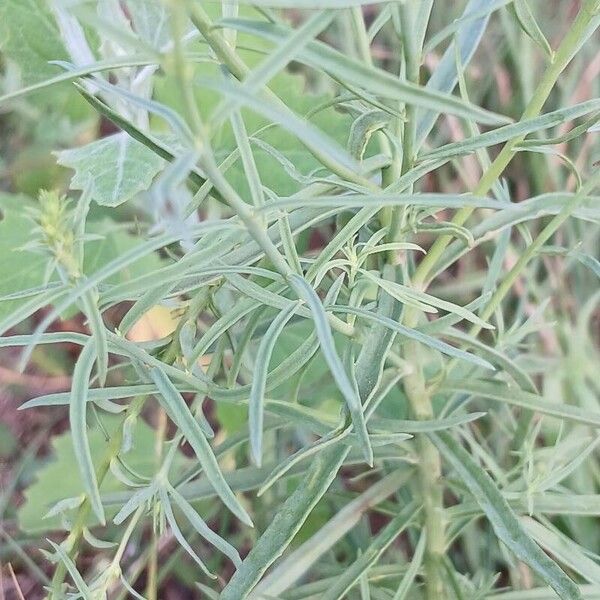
[522, 128]
[248, 161]
[203, 529]
[77, 420]
[381, 425]
[168, 510]
[529, 25]
[298, 562]
[512, 395]
[416, 335]
[306, 292]
[81, 585]
[283, 467]
[181, 415]
[413, 569]
[98, 330]
[285, 524]
[469, 32]
[565, 550]
[259, 382]
[371, 554]
[502, 518]
[321, 56]
[402, 292]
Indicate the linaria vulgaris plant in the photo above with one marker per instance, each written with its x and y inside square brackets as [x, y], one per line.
[335, 261]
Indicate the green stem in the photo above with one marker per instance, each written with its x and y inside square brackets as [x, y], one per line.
[416, 391]
[430, 465]
[577, 34]
[152, 584]
[430, 482]
[532, 249]
[183, 70]
[74, 538]
[238, 68]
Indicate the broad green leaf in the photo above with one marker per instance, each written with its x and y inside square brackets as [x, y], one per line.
[19, 270]
[78, 422]
[285, 524]
[502, 518]
[150, 19]
[30, 37]
[114, 168]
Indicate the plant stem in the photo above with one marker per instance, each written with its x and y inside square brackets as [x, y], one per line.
[414, 384]
[547, 232]
[152, 584]
[429, 473]
[577, 34]
[74, 539]
[238, 68]
[429, 466]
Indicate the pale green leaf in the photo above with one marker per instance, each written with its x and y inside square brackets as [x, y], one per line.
[114, 169]
[259, 382]
[506, 525]
[189, 427]
[323, 329]
[77, 420]
[285, 524]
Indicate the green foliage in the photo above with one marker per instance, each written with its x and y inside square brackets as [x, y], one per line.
[23, 270]
[31, 38]
[128, 168]
[44, 494]
[336, 317]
